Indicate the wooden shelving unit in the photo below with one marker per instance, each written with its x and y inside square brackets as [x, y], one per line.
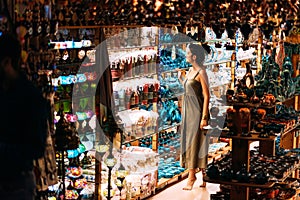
[241, 150]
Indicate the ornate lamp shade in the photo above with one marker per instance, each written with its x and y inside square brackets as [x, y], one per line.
[87, 143]
[110, 161]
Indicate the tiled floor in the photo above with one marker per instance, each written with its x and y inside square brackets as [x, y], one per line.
[175, 191]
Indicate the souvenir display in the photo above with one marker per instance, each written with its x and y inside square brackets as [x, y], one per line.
[113, 67]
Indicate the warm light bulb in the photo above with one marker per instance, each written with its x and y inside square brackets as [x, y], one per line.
[158, 5]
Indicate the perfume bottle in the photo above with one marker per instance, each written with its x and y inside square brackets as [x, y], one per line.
[45, 26]
[137, 97]
[115, 73]
[141, 65]
[127, 98]
[146, 69]
[136, 67]
[28, 23]
[65, 57]
[121, 99]
[132, 100]
[155, 92]
[141, 95]
[116, 101]
[150, 93]
[37, 26]
[121, 68]
[133, 67]
[57, 57]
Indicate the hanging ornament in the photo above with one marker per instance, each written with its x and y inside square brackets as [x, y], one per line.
[88, 144]
[239, 36]
[224, 35]
[209, 34]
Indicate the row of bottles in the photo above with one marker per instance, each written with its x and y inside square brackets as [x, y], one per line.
[134, 66]
[130, 98]
[35, 17]
[69, 56]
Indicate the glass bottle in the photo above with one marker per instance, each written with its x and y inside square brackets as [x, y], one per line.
[116, 101]
[45, 26]
[61, 17]
[146, 70]
[141, 94]
[137, 97]
[132, 100]
[155, 92]
[135, 67]
[68, 16]
[125, 65]
[145, 94]
[156, 62]
[114, 71]
[130, 67]
[140, 64]
[127, 98]
[248, 78]
[28, 23]
[121, 68]
[150, 93]
[57, 56]
[37, 22]
[121, 99]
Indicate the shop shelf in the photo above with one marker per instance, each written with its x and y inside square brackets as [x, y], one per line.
[218, 40]
[155, 132]
[247, 58]
[171, 70]
[179, 43]
[217, 62]
[165, 127]
[120, 48]
[163, 182]
[218, 154]
[250, 105]
[254, 137]
[220, 84]
[267, 185]
[194, 42]
[205, 64]
[296, 126]
[123, 79]
[135, 107]
[81, 64]
[172, 97]
[79, 27]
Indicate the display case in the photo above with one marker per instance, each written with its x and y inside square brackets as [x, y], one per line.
[147, 93]
[255, 117]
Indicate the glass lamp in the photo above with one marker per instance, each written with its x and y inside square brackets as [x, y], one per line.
[87, 143]
[121, 174]
[110, 161]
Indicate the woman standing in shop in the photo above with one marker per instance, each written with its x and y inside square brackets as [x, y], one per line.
[195, 114]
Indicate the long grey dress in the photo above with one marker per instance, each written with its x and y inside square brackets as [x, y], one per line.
[194, 143]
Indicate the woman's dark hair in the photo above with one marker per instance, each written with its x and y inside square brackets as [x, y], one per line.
[200, 51]
[10, 47]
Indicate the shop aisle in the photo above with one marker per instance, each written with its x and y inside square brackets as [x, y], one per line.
[175, 191]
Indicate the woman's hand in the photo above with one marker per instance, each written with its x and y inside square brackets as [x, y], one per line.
[180, 73]
[203, 123]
